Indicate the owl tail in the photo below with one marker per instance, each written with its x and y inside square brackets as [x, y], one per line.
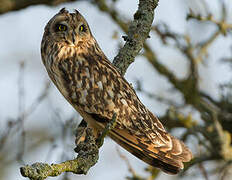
[170, 162]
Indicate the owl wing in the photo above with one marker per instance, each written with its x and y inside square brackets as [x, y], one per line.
[152, 145]
[98, 90]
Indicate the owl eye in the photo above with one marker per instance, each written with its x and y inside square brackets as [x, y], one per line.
[82, 28]
[61, 27]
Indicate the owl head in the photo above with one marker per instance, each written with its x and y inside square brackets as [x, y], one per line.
[68, 28]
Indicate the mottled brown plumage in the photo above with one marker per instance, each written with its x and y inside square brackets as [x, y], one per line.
[94, 87]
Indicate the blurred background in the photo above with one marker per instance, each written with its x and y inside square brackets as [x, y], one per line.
[183, 75]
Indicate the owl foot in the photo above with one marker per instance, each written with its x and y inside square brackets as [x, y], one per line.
[81, 132]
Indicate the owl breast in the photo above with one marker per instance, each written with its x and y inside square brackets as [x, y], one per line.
[84, 83]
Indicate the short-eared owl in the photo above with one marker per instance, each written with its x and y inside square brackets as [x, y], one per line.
[93, 86]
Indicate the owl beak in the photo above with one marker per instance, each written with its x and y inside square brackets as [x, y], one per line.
[74, 37]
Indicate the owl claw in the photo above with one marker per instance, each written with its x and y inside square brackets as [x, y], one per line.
[81, 132]
[88, 145]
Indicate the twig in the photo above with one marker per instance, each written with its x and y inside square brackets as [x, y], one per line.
[109, 126]
[223, 26]
[205, 45]
[21, 109]
[203, 171]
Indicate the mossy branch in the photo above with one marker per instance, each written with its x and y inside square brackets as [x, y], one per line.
[137, 34]
[87, 157]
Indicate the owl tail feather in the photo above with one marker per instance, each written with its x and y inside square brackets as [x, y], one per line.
[168, 159]
[171, 164]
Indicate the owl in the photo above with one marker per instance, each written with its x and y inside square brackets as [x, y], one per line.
[93, 86]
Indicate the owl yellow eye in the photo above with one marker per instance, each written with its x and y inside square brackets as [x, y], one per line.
[82, 28]
[61, 27]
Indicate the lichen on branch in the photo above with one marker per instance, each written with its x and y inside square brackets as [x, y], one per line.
[137, 34]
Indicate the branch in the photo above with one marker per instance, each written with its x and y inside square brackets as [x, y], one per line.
[138, 32]
[87, 157]
[13, 5]
[88, 150]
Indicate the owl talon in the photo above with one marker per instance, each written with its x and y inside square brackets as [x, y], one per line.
[110, 125]
[81, 132]
[88, 144]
